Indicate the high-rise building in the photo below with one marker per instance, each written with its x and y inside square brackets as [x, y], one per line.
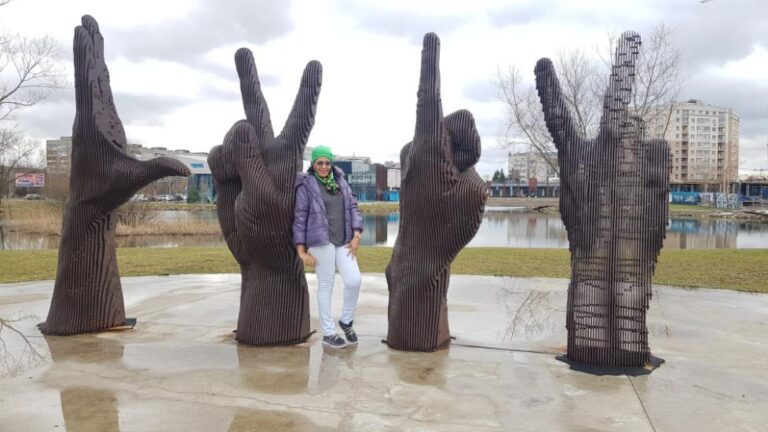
[524, 166]
[58, 155]
[703, 141]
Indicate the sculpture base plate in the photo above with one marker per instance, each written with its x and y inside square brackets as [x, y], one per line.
[128, 324]
[651, 365]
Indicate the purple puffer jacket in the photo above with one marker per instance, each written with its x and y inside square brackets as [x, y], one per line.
[310, 220]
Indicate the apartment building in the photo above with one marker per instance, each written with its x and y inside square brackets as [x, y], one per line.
[58, 155]
[703, 141]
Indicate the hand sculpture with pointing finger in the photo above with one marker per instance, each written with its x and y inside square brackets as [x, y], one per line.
[441, 206]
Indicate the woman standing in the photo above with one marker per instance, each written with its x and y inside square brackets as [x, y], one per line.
[326, 232]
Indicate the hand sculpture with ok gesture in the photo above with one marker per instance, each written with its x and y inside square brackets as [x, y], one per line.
[87, 295]
[614, 205]
[441, 207]
[254, 172]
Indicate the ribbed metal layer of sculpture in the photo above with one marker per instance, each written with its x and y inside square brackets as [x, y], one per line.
[254, 172]
[441, 207]
[613, 202]
[87, 295]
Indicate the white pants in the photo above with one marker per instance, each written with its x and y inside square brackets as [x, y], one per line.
[330, 258]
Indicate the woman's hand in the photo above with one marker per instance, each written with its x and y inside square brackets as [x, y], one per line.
[353, 245]
[308, 259]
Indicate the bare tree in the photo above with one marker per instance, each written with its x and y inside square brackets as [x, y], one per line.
[18, 351]
[583, 80]
[31, 72]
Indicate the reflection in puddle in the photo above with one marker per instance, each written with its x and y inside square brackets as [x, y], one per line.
[531, 314]
[18, 352]
[278, 370]
[86, 408]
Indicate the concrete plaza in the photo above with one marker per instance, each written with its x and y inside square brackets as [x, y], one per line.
[180, 369]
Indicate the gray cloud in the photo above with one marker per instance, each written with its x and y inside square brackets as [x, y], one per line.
[747, 99]
[146, 109]
[228, 72]
[55, 115]
[717, 31]
[212, 25]
[403, 23]
[480, 91]
[518, 14]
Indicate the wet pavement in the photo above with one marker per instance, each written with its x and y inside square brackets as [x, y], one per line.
[180, 370]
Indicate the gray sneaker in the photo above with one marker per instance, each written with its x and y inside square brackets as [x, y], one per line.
[334, 341]
[348, 332]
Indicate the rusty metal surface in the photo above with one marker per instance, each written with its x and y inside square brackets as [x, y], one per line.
[614, 205]
[441, 207]
[87, 295]
[254, 173]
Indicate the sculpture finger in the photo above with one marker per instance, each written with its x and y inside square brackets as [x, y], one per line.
[228, 188]
[618, 95]
[93, 94]
[254, 103]
[405, 159]
[127, 175]
[133, 174]
[465, 139]
[221, 163]
[246, 156]
[557, 115]
[429, 108]
[302, 117]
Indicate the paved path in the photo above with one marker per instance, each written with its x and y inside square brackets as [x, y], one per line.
[180, 370]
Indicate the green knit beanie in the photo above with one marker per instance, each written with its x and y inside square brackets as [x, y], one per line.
[322, 151]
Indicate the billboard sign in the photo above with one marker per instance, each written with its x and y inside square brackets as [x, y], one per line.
[30, 180]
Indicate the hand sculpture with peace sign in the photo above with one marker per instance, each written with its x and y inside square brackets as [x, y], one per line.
[87, 295]
[441, 207]
[614, 205]
[254, 172]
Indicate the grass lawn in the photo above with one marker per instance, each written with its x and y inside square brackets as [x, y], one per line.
[734, 269]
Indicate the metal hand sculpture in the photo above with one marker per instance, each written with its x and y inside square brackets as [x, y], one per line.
[441, 207]
[87, 295]
[254, 172]
[614, 205]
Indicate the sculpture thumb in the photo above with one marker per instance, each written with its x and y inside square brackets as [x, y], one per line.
[142, 173]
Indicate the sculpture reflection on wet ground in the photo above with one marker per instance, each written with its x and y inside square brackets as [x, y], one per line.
[87, 295]
[254, 173]
[614, 205]
[441, 207]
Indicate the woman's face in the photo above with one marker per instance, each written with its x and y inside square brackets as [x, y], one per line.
[322, 166]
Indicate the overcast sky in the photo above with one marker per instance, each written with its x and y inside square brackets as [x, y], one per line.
[174, 81]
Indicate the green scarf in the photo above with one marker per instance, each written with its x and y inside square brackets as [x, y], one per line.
[329, 183]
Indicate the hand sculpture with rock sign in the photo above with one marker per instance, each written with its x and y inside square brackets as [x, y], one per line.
[87, 295]
[614, 205]
[254, 172]
[441, 207]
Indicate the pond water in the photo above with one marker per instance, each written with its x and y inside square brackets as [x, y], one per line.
[501, 227]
